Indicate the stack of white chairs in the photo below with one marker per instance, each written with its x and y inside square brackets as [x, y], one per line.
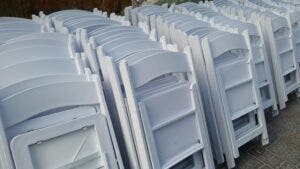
[11, 27]
[225, 75]
[53, 111]
[291, 13]
[57, 21]
[159, 108]
[75, 21]
[146, 17]
[277, 33]
[151, 93]
[173, 87]
[259, 56]
[233, 8]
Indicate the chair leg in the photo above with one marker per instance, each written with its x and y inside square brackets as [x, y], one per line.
[229, 160]
[298, 93]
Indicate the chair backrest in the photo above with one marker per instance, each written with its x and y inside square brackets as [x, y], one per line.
[42, 36]
[31, 69]
[142, 70]
[13, 19]
[279, 22]
[91, 28]
[8, 36]
[77, 19]
[46, 98]
[38, 81]
[6, 31]
[106, 40]
[110, 28]
[295, 15]
[66, 14]
[22, 26]
[218, 47]
[89, 23]
[35, 43]
[115, 30]
[121, 51]
[80, 19]
[111, 42]
[15, 56]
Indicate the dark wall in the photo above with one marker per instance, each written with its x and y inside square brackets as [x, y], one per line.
[176, 1]
[24, 8]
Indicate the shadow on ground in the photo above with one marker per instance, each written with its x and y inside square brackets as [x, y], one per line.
[283, 152]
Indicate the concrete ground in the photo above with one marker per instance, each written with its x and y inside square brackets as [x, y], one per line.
[283, 152]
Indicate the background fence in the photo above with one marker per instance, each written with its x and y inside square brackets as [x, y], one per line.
[24, 8]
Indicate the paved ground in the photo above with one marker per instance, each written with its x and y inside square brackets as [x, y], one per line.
[283, 152]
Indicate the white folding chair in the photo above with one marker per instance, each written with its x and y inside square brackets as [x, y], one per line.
[230, 73]
[158, 127]
[281, 52]
[162, 25]
[96, 144]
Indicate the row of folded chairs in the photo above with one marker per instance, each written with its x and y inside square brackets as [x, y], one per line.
[160, 88]
[279, 26]
[225, 74]
[53, 110]
[271, 38]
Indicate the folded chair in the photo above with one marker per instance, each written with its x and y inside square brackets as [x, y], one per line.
[158, 127]
[32, 148]
[162, 24]
[230, 73]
